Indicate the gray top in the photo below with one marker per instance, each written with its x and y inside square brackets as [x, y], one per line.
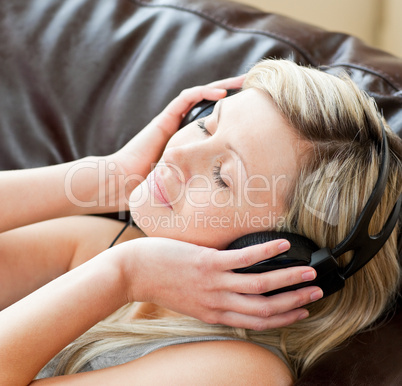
[127, 354]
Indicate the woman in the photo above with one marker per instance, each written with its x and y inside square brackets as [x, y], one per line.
[248, 159]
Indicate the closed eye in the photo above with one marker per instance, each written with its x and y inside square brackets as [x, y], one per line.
[201, 125]
[218, 178]
[217, 169]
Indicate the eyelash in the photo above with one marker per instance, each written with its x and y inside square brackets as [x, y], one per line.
[201, 125]
[217, 169]
[218, 178]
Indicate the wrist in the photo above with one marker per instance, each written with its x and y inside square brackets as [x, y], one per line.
[96, 185]
[116, 260]
[126, 172]
[133, 275]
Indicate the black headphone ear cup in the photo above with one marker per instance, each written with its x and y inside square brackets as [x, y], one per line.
[202, 109]
[299, 253]
[263, 237]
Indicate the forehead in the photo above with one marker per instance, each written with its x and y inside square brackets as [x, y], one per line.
[266, 142]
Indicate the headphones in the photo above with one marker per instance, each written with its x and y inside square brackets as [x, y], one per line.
[304, 252]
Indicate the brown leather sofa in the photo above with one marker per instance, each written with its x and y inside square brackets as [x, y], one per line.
[81, 77]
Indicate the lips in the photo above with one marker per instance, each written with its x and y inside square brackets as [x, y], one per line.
[157, 188]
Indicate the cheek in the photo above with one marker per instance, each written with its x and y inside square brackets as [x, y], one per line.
[206, 196]
[267, 193]
[211, 226]
[223, 198]
[209, 230]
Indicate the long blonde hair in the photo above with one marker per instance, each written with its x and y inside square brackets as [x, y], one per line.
[335, 181]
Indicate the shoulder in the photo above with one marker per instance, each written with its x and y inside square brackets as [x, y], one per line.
[218, 362]
[201, 363]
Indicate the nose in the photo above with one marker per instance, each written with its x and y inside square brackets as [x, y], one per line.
[186, 161]
[176, 159]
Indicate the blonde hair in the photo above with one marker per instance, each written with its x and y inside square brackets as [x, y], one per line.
[340, 169]
[343, 127]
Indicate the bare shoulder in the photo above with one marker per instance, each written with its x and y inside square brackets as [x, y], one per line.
[218, 362]
[202, 363]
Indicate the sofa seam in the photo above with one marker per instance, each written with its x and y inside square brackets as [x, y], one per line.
[371, 70]
[222, 23]
[374, 71]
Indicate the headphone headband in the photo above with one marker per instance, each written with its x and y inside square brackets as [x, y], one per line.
[364, 245]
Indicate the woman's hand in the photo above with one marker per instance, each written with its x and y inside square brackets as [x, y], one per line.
[134, 161]
[182, 277]
[199, 282]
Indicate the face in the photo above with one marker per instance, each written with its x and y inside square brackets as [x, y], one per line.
[221, 177]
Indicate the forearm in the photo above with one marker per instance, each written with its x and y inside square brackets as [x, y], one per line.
[96, 184]
[179, 276]
[87, 186]
[36, 328]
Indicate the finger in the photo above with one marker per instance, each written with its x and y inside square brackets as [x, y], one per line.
[229, 83]
[189, 97]
[266, 307]
[240, 258]
[180, 106]
[260, 324]
[168, 121]
[255, 284]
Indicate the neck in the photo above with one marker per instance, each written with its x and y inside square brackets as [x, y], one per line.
[151, 311]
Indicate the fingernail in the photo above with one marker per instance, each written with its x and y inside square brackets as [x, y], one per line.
[316, 295]
[220, 90]
[284, 246]
[303, 315]
[308, 275]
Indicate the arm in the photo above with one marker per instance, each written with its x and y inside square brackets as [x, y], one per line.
[97, 184]
[38, 194]
[34, 329]
[33, 255]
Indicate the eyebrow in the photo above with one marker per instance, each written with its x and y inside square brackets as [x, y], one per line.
[228, 145]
